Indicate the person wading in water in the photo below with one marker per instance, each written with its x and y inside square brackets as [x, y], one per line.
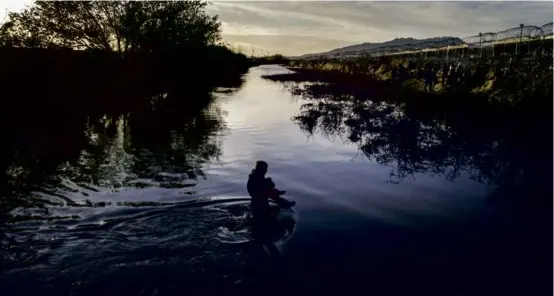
[261, 189]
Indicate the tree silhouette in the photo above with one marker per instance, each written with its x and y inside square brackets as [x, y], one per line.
[119, 26]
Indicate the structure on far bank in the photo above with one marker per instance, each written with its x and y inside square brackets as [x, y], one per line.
[519, 40]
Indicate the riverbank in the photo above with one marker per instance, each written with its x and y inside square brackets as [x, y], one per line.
[41, 82]
[507, 79]
[485, 100]
[51, 95]
[502, 115]
[385, 195]
[481, 86]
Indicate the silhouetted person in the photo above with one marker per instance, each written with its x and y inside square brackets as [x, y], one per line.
[274, 193]
[445, 71]
[261, 189]
[411, 65]
[401, 73]
[429, 78]
[453, 76]
[264, 262]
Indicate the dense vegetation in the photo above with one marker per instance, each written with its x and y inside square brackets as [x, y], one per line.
[119, 26]
[504, 78]
[491, 118]
[170, 40]
[275, 59]
[72, 68]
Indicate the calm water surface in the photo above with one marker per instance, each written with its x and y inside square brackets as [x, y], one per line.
[163, 210]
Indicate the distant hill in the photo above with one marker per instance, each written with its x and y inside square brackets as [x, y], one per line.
[398, 44]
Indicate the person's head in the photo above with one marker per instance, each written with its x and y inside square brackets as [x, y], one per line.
[261, 167]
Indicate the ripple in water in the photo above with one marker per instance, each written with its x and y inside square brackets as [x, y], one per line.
[199, 240]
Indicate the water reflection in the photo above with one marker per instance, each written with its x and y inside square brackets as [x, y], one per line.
[118, 204]
[428, 137]
[96, 198]
[115, 154]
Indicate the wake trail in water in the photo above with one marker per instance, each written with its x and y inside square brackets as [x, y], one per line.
[191, 238]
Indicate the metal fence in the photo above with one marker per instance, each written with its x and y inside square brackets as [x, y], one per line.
[517, 34]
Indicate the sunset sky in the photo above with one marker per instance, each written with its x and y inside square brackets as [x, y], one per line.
[298, 27]
[294, 28]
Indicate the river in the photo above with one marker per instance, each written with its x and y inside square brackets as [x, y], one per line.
[136, 207]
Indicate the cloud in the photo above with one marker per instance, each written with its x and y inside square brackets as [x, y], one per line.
[298, 27]
[304, 26]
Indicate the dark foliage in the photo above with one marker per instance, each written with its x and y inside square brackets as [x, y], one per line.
[500, 135]
[276, 59]
[75, 74]
[120, 26]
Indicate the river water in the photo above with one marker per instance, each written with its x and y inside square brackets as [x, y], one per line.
[154, 208]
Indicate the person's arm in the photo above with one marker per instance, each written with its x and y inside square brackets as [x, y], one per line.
[273, 194]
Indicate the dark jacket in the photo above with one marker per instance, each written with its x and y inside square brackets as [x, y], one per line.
[257, 187]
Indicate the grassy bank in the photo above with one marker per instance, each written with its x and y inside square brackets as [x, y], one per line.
[504, 79]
